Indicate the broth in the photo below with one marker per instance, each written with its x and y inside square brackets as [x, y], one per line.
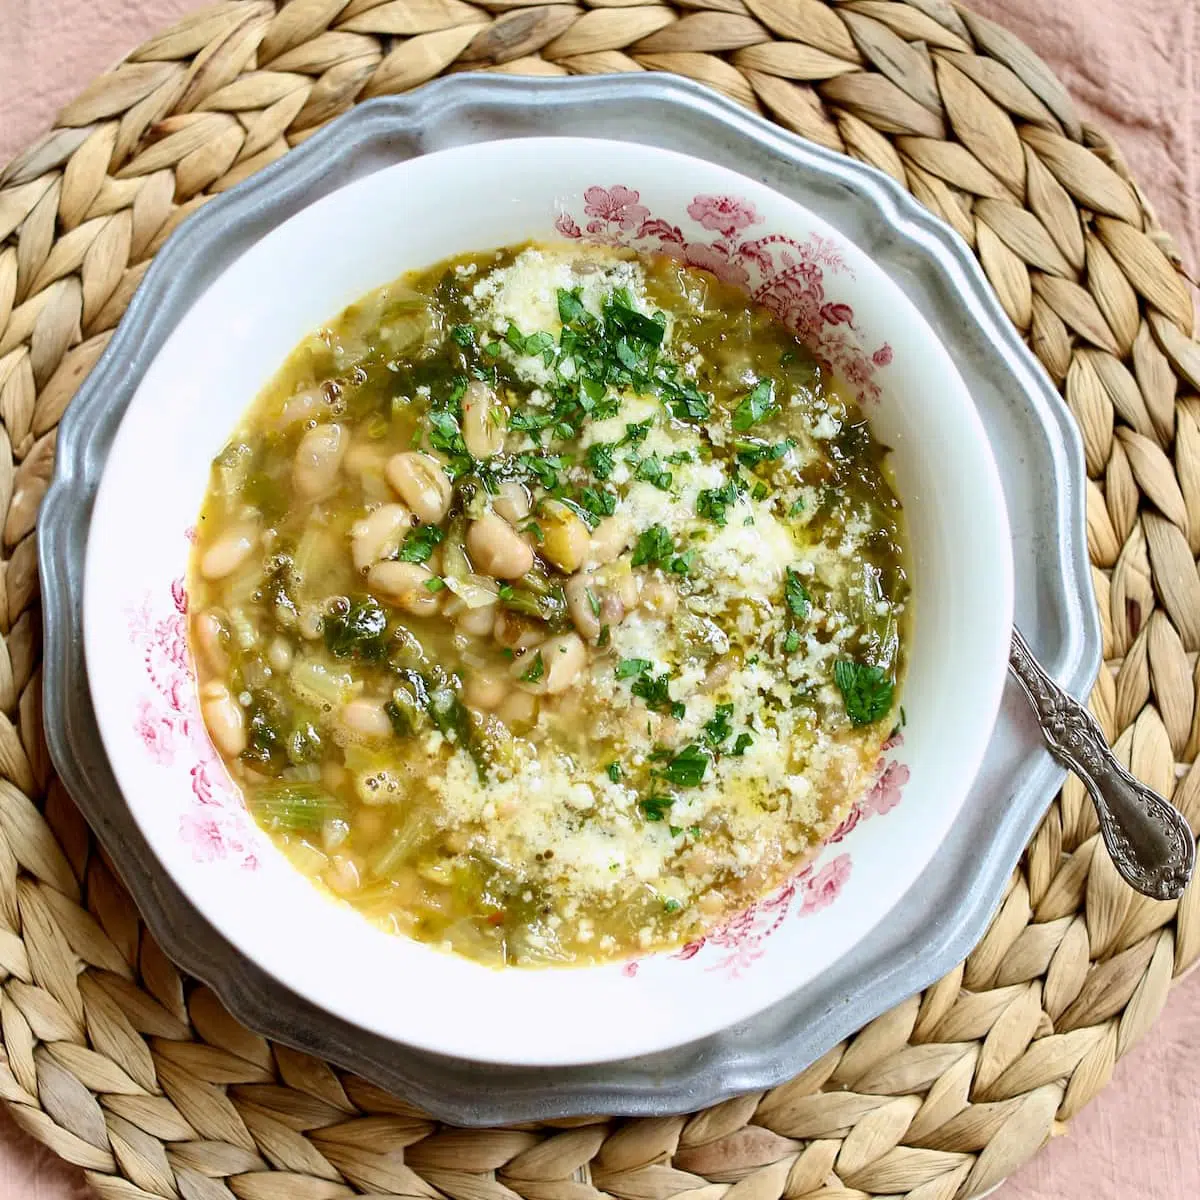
[548, 604]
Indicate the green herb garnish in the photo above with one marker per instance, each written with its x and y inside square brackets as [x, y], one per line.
[713, 502]
[656, 807]
[866, 691]
[596, 504]
[627, 668]
[536, 670]
[651, 470]
[798, 600]
[601, 460]
[757, 406]
[718, 729]
[653, 546]
[688, 767]
[654, 690]
[419, 543]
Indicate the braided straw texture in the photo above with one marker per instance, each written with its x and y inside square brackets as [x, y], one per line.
[137, 1075]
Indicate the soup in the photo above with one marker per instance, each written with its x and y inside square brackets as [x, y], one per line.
[548, 604]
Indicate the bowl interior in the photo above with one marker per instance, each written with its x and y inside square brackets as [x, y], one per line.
[234, 338]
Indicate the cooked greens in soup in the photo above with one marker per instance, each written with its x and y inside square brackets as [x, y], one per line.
[548, 604]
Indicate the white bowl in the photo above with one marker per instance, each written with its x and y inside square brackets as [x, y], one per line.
[235, 337]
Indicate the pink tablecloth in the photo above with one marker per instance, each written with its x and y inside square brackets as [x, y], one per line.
[1133, 65]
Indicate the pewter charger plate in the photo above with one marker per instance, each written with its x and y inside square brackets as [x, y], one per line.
[1036, 445]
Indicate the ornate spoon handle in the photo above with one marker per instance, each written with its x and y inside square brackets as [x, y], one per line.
[1148, 840]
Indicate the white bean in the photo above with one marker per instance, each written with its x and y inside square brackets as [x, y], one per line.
[516, 632]
[210, 640]
[477, 622]
[365, 718]
[482, 429]
[512, 501]
[318, 457]
[342, 875]
[562, 658]
[659, 597]
[624, 583]
[584, 605]
[365, 458]
[565, 538]
[303, 406]
[497, 549]
[612, 610]
[228, 552]
[379, 534]
[609, 539]
[405, 585]
[518, 708]
[485, 689]
[421, 483]
[225, 720]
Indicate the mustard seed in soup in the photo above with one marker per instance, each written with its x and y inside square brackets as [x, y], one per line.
[548, 604]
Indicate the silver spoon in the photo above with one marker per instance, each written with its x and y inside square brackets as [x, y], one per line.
[1147, 838]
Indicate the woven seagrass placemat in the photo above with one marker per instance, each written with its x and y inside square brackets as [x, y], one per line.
[119, 1065]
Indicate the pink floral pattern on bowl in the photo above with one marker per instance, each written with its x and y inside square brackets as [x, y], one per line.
[788, 277]
[215, 824]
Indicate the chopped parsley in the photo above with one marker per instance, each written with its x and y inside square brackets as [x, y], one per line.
[688, 767]
[635, 434]
[627, 668]
[544, 467]
[741, 744]
[798, 600]
[866, 690]
[713, 502]
[419, 543]
[464, 335]
[596, 504]
[593, 602]
[752, 451]
[791, 643]
[719, 729]
[570, 306]
[653, 546]
[435, 584]
[651, 470]
[614, 772]
[601, 460]
[446, 437]
[536, 670]
[655, 691]
[796, 509]
[757, 406]
[620, 313]
[682, 563]
[655, 807]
